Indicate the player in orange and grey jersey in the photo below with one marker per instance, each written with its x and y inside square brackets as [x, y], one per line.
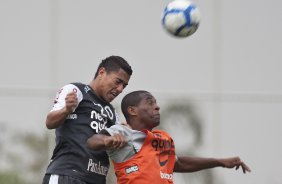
[141, 154]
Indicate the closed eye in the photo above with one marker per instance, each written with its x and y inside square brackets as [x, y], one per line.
[120, 82]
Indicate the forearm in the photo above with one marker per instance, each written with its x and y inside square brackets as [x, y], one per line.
[56, 118]
[192, 164]
[97, 142]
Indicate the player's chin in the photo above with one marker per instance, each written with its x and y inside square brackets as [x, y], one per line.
[111, 97]
[157, 121]
[157, 118]
[156, 124]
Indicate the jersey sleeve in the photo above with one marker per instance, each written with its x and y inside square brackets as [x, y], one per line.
[59, 101]
[119, 154]
[134, 143]
[115, 129]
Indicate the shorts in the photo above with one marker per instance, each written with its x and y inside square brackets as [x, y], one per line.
[61, 179]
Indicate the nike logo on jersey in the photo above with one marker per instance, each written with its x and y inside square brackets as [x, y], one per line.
[162, 163]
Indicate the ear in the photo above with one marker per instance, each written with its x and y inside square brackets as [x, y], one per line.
[101, 71]
[132, 111]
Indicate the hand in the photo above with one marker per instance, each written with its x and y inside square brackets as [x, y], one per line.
[71, 102]
[115, 141]
[235, 162]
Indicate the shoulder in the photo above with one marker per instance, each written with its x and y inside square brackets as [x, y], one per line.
[162, 132]
[79, 85]
[118, 128]
[72, 87]
[159, 131]
[59, 101]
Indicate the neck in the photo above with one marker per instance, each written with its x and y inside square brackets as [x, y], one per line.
[93, 85]
[95, 88]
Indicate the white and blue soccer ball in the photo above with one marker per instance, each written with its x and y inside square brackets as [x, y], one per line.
[181, 18]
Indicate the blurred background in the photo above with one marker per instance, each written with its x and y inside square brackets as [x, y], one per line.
[220, 90]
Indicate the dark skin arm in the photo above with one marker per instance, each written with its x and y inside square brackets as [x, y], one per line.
[55, 119]
[105, 141]
[192, 164]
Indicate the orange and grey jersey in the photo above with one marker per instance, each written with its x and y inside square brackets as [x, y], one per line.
[148, 157]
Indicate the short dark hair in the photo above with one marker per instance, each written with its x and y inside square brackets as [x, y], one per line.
[114, 63]
[131, 99]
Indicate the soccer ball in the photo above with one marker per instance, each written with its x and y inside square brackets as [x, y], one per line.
[181, 18]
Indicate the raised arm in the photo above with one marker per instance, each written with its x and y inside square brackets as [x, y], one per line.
[192, 164]
[56, 118]
[106, 141]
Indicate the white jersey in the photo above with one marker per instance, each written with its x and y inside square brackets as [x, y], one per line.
[62, 93]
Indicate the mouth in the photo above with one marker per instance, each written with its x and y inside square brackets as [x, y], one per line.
[114, 94]
[157, 116]
[111, 96]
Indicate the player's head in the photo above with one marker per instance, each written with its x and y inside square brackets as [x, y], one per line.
[113, 64]
[140, 110]
[111, 77]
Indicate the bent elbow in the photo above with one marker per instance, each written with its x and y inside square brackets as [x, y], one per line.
[50, 125]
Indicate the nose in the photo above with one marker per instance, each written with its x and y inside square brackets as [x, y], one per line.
[157, 107]
[120, 88]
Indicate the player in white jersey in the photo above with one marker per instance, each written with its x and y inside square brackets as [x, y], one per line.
[80, 111]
